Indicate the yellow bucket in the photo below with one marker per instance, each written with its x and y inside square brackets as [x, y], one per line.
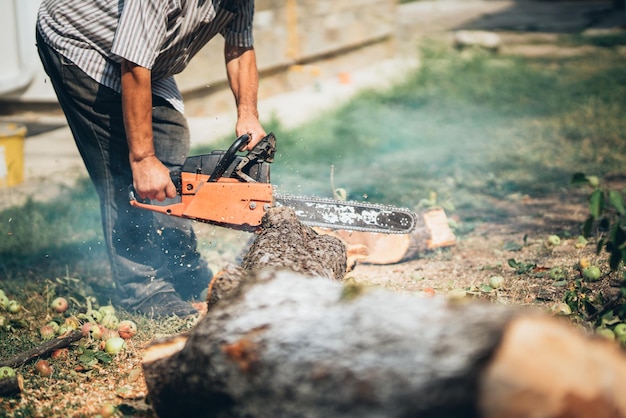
[11, 154]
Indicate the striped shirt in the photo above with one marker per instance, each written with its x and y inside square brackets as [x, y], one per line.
[160, 35]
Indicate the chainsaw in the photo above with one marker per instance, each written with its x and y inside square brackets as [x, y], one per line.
[233, 190]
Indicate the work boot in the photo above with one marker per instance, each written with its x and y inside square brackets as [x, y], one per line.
[193, 284]
[166, 304]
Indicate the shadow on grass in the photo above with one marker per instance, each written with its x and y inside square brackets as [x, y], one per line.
[468, 131]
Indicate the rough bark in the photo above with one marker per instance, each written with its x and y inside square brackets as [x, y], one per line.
[11, 386]
[284, 243]
[288, 244]
[283, 344]
[289, 345]
[42, 350]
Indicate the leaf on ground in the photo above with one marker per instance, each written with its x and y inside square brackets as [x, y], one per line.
[512, 246]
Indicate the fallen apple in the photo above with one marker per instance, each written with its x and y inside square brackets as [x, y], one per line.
[96, 331]
[591, 273]
[86, 328]
[110, 321]
[54, 325]
[72, 322]
[64, 329]
[43, 368]
[620, 330]
[4, 301]
[561, 308]
[107, 310]
[95, 315]
[14, 306]
[554, 240]
[47, 332]
[6, 371]
[583, 263]
[114, 345]
[59, 304]
[60, 353]
[127, 329]
[496, 282]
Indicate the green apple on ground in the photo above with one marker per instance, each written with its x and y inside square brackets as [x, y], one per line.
[592, 273]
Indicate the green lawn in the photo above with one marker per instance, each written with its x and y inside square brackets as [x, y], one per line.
[465, 127]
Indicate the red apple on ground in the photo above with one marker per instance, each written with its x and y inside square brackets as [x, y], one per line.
[127, 329]
[59, 305]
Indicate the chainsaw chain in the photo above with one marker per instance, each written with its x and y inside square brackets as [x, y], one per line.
[350, 215]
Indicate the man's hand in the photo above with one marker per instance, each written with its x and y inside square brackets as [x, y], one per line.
[252, 127]
[151, 179]
[243, 78]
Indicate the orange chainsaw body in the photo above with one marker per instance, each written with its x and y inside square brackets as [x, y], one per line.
[223, 188]
[227, 201]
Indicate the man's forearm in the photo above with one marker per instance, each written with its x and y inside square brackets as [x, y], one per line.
[243, 78]
[137, 109]
[151, 178]
[244, 82]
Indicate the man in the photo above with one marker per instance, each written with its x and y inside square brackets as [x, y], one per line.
[111, 63]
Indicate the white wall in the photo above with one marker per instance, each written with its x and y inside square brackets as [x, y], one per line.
[21, 73]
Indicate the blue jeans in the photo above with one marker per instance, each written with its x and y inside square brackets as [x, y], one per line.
[149, 253]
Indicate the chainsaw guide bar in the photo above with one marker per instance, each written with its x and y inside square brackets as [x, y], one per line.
[355, 216]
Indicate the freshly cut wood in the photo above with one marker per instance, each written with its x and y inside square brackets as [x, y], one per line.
[432, 231]
[11, 386]
[42, 350]
[546, 368]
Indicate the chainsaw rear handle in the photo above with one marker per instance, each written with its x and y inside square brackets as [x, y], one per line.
[222, 165]
[176, 178]
[228, 157]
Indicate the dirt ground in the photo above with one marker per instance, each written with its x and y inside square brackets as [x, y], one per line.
[482, 250]
[521, 234]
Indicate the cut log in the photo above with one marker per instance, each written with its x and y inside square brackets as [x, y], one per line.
[290, 345]
[431, 232]
[11, 386]
[283, 344]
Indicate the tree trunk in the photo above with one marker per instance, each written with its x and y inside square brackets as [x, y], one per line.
[282, 344]
[284, 243]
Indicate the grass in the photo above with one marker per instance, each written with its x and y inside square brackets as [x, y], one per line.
[466, 129]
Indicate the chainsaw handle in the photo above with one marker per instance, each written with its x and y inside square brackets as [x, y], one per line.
[229, 157]
[175, 176]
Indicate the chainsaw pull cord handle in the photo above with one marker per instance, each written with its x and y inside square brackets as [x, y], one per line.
[228, 157]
